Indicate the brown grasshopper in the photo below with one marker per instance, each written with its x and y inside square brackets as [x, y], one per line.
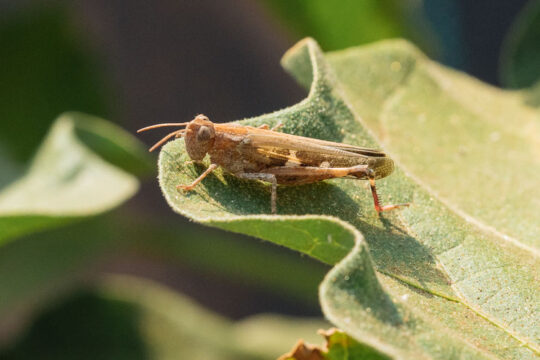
[261, 153]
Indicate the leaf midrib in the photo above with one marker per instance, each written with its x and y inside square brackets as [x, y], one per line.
[459, 300]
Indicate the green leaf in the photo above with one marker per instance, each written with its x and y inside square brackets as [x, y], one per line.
[435, 281]
[520, 54]
[129, 318]
[353, 22]
[67, 180]
[341, 346]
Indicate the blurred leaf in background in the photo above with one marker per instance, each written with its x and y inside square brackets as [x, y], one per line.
[67, 181]
[128, 318]
[52, 231]
[520, 56]
[352, 22]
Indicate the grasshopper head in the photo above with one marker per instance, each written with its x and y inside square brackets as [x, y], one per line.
[199, 137]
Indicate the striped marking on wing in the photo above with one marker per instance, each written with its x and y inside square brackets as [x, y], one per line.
[299, 143]
[274, 153]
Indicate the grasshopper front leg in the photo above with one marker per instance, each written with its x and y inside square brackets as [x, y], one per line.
[189, 187]
[264, 177]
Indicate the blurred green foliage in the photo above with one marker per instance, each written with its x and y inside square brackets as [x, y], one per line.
[126, 318]
[67, 181]
[85, 327]
[520, 56]
[352, 22]
[47, 69]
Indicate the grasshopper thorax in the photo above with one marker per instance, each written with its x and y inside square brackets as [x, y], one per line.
[199, 137]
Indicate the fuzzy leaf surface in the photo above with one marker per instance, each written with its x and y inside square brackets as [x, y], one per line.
[449, 276]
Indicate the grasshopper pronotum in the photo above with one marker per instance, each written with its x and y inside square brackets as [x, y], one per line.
[261, 153]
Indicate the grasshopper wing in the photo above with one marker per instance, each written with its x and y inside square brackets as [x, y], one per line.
[303, 151]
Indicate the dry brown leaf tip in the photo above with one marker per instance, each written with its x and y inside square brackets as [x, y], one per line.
[303, 351]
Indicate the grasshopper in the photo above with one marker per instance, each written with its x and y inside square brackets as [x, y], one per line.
[261, 153]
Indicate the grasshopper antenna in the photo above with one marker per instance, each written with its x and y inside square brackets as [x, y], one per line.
[177, 133]
[161, 125]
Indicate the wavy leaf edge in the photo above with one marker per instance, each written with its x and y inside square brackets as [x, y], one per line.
[359, 254]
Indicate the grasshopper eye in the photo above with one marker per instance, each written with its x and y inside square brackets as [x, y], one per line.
[204, 133]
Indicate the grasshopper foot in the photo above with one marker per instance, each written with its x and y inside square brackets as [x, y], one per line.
[380, 209]
[185, 187]
[190, 187]
[376, 202]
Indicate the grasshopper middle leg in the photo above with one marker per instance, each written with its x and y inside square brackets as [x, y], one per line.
[271, 178]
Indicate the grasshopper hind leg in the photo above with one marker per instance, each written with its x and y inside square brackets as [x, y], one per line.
[376, 202]
[271, 178]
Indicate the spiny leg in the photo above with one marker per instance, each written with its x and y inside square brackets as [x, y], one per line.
[378, 207]
[189, 187]
[271, 178]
